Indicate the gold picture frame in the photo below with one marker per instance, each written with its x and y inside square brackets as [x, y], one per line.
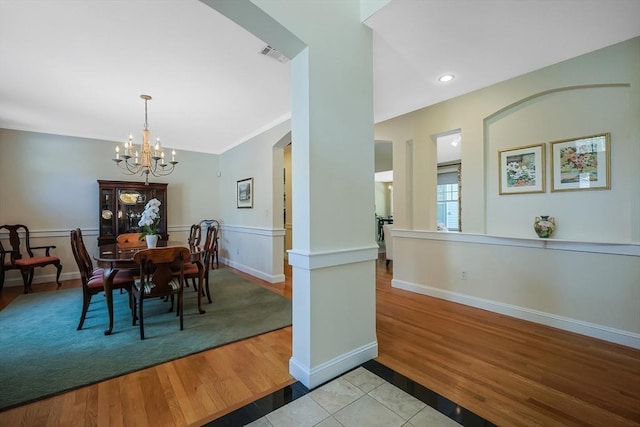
[521, 170]
[581, 163]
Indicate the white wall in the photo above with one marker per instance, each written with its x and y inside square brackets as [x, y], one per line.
[252, 240]
[575, 280]
[288, 241]
[383, 198]
[49, 183]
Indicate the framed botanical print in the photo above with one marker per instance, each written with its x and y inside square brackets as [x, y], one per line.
[581, 163]
[521, 170]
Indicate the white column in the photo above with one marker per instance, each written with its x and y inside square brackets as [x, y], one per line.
[334, 250]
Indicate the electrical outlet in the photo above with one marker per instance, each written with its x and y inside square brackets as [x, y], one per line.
[463, 275]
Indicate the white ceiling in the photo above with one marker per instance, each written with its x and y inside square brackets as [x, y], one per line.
[78, 68]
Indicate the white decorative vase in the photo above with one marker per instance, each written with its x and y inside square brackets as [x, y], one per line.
[152, 240]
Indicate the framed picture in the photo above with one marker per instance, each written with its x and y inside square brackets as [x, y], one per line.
[245, 193]
[581, 163]
[522, 169]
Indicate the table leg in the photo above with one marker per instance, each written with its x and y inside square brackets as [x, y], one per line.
[107, 280]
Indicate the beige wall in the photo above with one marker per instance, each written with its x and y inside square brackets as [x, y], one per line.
[49, 183]
[252, 240]
[566, 282]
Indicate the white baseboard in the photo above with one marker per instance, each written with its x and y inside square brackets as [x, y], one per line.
[271, 278]
[314, 377]
[593, 330]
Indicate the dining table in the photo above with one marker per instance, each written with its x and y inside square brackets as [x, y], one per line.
[114, 257]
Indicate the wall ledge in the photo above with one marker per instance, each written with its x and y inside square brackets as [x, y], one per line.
[610, 248]
[262, 231]
[314, 260]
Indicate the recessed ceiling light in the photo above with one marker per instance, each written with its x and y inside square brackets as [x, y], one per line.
[446, 78]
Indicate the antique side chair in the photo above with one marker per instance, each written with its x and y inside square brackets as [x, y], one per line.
[15, 259]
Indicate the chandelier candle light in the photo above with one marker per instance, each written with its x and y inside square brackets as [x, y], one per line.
[145, 160]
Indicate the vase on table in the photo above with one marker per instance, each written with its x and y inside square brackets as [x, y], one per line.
[152, 240]
[544, 225]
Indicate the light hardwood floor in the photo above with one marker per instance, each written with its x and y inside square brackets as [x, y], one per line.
[511, 372]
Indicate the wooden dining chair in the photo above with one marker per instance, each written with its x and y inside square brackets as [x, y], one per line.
[14, 258]
[195, 234]
[157, 279]
[205, 224]
[191, 270]
[92, 278]
[128, 237]
[210, 250]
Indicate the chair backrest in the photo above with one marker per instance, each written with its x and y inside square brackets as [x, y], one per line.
[206, 223]
[210, 244]
[14, 240]
[195, 235]
[128, 237]
[157, 267]
[81, 255]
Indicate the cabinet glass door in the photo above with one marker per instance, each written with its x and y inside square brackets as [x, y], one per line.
[131, 204]
[106, 213]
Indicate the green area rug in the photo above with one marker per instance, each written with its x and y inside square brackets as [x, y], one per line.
[42, 354]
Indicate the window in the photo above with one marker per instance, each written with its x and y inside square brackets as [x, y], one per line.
[449, 148]
[448, 199]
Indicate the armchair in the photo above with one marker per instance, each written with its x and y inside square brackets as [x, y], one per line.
[15, 259]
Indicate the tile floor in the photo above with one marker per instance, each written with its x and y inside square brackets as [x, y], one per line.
[358, 398]
[368, 396]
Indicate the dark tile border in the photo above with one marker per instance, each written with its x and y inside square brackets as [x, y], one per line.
[436, 401]
[270, 403]
[261, 407]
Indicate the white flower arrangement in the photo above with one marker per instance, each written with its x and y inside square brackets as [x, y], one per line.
[150, 219]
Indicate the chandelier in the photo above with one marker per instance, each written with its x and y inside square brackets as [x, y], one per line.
[143, 160]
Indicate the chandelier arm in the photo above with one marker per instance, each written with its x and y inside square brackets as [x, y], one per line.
[159, 169]
[126, 168]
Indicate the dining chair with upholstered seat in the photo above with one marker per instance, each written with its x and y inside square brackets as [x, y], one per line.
[157, 279]
[128, 237]
[92, 278]
[195, 234]
[209, 251]
[205, 224]
[14, 258]
[191, 270]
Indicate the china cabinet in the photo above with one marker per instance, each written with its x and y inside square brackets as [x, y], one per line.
[121, 204]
